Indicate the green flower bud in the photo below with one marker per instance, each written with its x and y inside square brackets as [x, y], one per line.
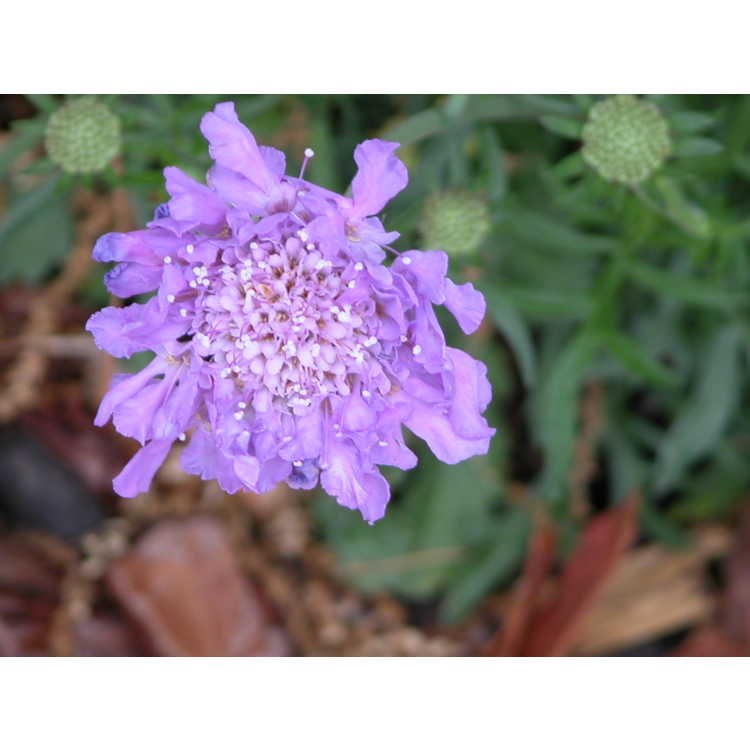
[455, 221]
[625, 139]
[83, 136]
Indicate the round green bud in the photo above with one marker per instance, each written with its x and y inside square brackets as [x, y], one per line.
[625, 139]
[455, 221]
[83, 136]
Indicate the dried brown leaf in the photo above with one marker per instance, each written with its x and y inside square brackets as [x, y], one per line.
[553, 629]
[182, 584]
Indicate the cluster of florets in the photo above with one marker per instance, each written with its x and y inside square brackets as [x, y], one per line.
[286, 350]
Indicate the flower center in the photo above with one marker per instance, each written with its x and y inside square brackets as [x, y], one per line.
[286, 325]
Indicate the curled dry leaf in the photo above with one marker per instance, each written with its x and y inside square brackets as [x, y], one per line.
[182, 585]
[540, 625]
[553, 630]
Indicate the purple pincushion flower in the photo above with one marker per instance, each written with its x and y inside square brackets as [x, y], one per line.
[285, 348]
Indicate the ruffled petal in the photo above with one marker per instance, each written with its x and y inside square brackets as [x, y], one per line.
[353, 485]
[233, 146]
[128, 279]
[122, 331]
[124, 387]
[139, 471]
[381, 175]
[466, 304]
[192, 202]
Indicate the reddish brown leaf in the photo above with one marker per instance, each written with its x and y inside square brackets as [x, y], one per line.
[182, 584]
[104, 635]
[710, 640]
[540, 556]
[553, 629]
[735, 611]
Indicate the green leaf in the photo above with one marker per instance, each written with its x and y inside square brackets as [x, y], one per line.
[21, 141]
[514, 329]
[564, 126]
[697, 292]
[36, 235]
[688, 215]
[692, 147]
[424, 124]
[556, 413]
[548, 304]
[441, 519]
[691, 122]
[702, 422]
[542, 230]
[635, 360]
[492, 567]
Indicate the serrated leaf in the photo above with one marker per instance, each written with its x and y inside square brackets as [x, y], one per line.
[701, 423]
[557, 412]
[564, 126]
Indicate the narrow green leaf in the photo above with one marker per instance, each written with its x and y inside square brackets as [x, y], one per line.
[424, 124]
[556, 413]
[696, 292]
[543, 231]
[704, 417]
[691, 122]
[513, 327]
[19, 143]
[493, 567]
[25, 206]
[636, 360]
[35, 236]
[564, 126]
[691, 147]
[548, 304]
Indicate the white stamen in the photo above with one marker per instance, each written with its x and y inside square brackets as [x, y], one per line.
[190, 249]
[296, 463]
[366, 394]
[382, 443]
[242, 405]
[352, 284]
[170, 298]
[404, 339]
[238, 415]
[417, 349]
[167, 259]
[359, 266]
[371, 341]
[309, 153]
[407, 261]
[183, 312]
[182, 437]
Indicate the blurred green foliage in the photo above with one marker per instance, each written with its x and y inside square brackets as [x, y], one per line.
[639, 288]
